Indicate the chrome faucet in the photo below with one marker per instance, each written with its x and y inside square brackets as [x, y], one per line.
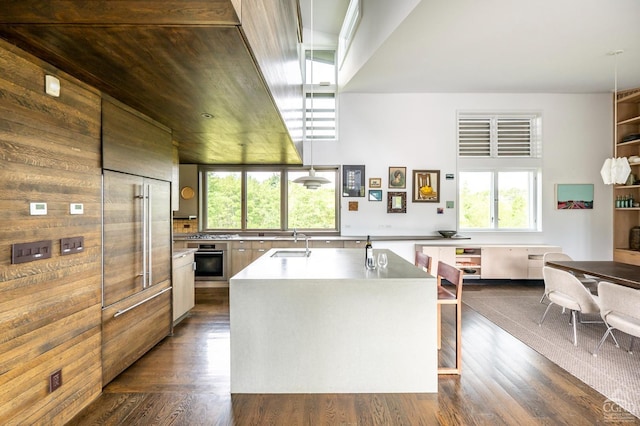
[306, 241]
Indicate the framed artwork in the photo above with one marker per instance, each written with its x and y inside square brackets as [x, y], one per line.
[353, 206]
[353, 184]
[375, 182]
[397, 177]
[571, 196]
[426, 186]
[396, 202]
[375, 195]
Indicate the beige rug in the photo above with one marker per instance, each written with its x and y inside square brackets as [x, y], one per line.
[614, 372]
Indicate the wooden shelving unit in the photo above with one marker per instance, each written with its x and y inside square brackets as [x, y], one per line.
[469, 260]
[627, 106]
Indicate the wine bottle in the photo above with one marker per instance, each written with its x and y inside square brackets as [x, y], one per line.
[368, 258]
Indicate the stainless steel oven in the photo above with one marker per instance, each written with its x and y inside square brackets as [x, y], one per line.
[211, 261]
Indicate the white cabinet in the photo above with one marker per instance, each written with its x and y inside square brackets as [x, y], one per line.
[535, 260]
[445, 254]
[183, 284]
[505, 263]
[519, 262]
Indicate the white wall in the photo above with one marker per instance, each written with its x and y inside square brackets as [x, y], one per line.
[418, 131]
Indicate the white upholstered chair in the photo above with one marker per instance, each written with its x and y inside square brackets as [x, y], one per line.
[620, 310]
[588, 282]
[564, 289]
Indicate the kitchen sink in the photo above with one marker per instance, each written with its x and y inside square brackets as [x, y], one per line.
[291, 253]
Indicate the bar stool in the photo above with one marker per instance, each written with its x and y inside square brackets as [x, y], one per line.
[447, 297]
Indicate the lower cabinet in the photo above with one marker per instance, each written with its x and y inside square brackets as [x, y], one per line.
[133, 326]
[492, 262]
[324, 243]
[446, 254]
[505, 263]
[183, 285]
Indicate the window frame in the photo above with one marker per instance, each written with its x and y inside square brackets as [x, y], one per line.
[283, 170]
[496, 164]
[533, 192]
[321, 88]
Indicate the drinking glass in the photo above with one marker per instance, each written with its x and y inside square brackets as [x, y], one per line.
[382, 260]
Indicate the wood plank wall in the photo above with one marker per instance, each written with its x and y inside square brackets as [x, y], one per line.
[50, 309]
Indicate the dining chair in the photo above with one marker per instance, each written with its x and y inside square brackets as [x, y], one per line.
[423, 261]
[620, 310]
[588, 282]
[453, 275]
[565, 290]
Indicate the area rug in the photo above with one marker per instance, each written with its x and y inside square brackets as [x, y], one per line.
[517, 309]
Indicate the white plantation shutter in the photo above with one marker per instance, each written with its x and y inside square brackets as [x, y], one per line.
[497, 136]
[474, 137]
[320, 121]
[513, 137]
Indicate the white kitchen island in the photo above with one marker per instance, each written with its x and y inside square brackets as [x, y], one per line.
[326, 324]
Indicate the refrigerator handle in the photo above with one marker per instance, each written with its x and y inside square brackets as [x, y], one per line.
[145, 219]
[149, 238]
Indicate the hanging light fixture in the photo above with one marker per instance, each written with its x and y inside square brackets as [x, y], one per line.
[615, 170]
[311, 181]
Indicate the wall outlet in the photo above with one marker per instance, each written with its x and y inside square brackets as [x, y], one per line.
[55, 380]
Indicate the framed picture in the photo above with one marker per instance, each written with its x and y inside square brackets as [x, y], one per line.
[353, 181]
[426, 186]
[397, 177]
[571, 196]
[375, 182]
[375, 195]
[396, 202]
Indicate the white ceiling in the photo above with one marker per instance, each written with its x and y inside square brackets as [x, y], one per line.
[546, 46]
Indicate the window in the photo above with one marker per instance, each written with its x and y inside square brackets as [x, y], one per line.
[320, 95]
[499, 172]
[497, 136]
[312, 209]
[498, 200]
[266, 199]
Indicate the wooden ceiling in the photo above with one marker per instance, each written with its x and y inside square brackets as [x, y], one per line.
[176, 61]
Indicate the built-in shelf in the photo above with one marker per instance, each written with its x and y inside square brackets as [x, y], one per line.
[633, 97]
[631, 120]
[627, 110]
[470, 260]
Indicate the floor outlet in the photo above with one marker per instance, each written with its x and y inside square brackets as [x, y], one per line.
[55, 380]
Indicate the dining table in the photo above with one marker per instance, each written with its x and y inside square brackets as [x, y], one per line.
[615, 272]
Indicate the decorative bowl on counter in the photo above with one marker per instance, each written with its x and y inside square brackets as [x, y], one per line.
[447, 234]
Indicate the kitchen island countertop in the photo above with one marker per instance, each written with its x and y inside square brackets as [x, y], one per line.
[326, 324]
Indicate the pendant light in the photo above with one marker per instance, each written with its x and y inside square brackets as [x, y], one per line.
[311, 181]
[615, 170]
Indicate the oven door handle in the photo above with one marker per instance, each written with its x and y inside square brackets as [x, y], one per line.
[210, 252]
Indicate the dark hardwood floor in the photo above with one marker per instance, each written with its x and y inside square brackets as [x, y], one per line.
[184, 380]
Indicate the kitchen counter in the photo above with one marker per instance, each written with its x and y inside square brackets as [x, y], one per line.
[180, 252]
[326, 324]
[217, 237]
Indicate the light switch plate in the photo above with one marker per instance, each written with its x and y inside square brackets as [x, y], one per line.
[38, 209]
[27, 252]
[71, 245]
[51, 85]
[76, 208]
